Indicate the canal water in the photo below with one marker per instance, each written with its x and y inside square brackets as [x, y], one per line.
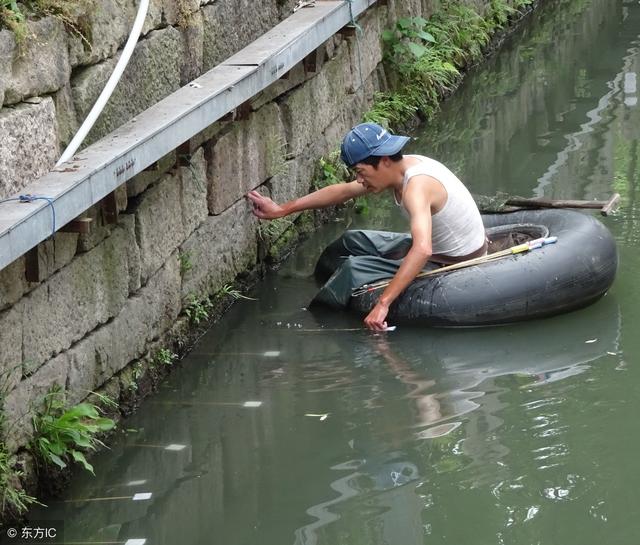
[286, 426]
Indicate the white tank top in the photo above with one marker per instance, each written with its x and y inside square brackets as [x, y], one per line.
[457, 229]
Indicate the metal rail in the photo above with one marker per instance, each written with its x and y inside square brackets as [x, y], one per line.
[98, 170]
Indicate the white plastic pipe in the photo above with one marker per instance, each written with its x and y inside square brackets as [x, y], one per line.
[110, 86]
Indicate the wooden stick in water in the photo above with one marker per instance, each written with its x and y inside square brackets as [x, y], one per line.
[605, 207]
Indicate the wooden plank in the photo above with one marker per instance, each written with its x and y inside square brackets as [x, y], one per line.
[183, 154]
[32, 265]
[348, 31]
[605, 207]
[110, 208]
[310, 62]
[243, 111]
[78, 225]
[611, 205]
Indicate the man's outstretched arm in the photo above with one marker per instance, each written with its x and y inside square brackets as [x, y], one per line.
[417, 199]
[265, 208]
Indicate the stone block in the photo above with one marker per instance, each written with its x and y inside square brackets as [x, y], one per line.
[244, 157]
[154, 17]
[7, 51]
[41, 65]
[159, 225]
[107, 350]
[193, 36]
[230, 26]
[29, 146]
[105, 25]
[152, 73]
[140, 182]
[13, 284]
[310, 109]
[66, 117]
[128, 223]
[219, 249]
[89, 291]
[98, 232]
[178, 12]
[296, 181]
[10, 349]
[56, 252]
[193, 181]
[26, 398]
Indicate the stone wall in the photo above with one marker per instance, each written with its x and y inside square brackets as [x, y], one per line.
[112, 297]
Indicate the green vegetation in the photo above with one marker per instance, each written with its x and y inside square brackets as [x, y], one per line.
[132, 376]
[271, 229]
[425, 58]
[165, 357]
[330, 170]
[197, 310]
[13, 16]
[185, 262]
[228, 289]
[62, 434]
[13, 499]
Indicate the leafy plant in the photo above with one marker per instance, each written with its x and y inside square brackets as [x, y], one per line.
[228, 289]
[269, 230]
[407, 41]
[12, 497]
[164, 356]
[425, 57]
[62, 434]
[185, 262]
[330, 170]
[12, 18]
[198, 310]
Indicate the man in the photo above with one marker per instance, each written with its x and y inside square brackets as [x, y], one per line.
[446, 226]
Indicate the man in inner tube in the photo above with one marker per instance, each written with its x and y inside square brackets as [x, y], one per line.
[446, 226]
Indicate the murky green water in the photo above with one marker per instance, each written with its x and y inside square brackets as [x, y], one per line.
[524, 434]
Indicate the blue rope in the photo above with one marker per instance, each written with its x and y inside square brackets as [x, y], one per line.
[27, 198]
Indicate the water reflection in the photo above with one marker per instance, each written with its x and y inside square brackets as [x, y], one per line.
[546, 120]
[445, 376]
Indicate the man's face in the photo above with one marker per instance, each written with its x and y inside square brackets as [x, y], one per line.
[372, 178]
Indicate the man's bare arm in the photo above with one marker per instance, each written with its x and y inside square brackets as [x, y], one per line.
[265, 208]
[417, 199]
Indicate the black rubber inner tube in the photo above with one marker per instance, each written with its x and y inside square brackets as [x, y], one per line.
[572, 273]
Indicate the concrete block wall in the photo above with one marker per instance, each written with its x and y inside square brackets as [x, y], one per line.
[113, 296]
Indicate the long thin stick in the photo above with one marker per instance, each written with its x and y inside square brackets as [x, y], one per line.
[605, 207]
[520, 248]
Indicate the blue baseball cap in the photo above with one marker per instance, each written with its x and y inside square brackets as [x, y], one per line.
[369, 139]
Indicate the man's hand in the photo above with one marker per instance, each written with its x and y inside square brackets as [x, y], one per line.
[264, 207]
[375, 320]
